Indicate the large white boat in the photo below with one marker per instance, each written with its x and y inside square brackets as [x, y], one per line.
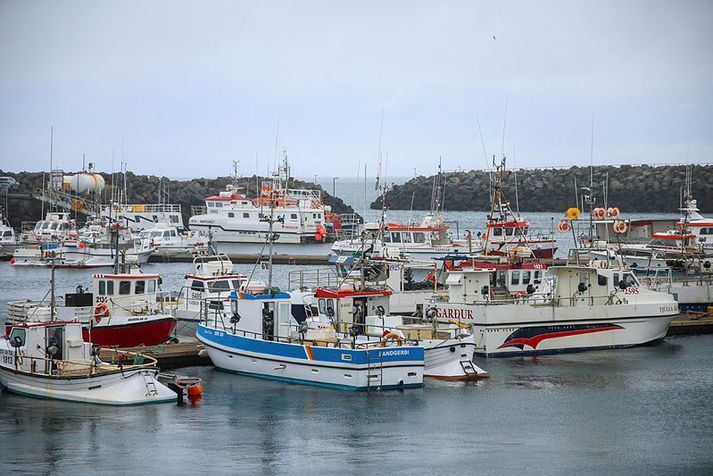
[232, 220]
[427, 239]
[52, 360]
[168, 242]
[591, 306]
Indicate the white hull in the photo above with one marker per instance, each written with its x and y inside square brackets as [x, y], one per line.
[279, 248]
[132, 387]
[524, 329]
[335, 374]
[348, 248]
[452, 359]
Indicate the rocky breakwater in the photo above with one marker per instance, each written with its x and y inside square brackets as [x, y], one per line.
[146, 189]
[640, 188]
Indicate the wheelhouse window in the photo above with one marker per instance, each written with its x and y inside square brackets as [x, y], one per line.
[173, 218]
[140, 287]
[396, 237]
[601, 280]
[322, 306]
[218, 205]
[152, 286]
[18, 335]
[629, 279]
[219, 286]
[102, 288]
[236, 284]
[124, 287]
[293, 216]
[387, 237]
[538, 277]
[110, 288]
[509, 231]
[197, 286]
[231, 215]
[497, 232]
[515, 277]
[166, 234]
[526, 277]
[419, 237]
[246, 215]
[406, 237]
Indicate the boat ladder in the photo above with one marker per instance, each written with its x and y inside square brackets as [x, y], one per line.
[151, 390]
[374, 371]
[468, 368]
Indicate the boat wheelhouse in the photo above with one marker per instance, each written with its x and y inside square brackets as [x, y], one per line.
[213, 278]
[169, 242]
[430, 238]
[140, 216]
[506, 236]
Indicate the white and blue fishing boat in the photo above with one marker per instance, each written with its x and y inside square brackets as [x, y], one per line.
[257, 336]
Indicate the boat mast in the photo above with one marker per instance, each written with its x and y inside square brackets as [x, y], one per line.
[52, 288]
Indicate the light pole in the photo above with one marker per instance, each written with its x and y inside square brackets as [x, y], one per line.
[334, 186]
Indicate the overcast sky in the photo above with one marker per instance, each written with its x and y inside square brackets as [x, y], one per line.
[183, 88]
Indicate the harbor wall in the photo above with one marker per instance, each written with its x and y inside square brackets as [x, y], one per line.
[640, 188]
[144, 189]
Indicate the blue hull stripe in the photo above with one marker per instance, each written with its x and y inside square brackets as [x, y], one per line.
[328, 355]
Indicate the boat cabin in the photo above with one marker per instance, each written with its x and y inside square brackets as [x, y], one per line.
[43, 345]
[360, 309]
[267, 315]
[572, 284]
[129, 292]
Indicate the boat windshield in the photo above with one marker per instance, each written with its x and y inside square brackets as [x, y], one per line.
[218, 286]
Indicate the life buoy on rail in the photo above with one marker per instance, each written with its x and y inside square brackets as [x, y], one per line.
[613, 212]
[100, 310]
[563, 227]
[390, 335]
[620, 226]
[599, 213]
[573, 213]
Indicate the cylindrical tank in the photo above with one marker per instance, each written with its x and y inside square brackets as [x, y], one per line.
[85, 183]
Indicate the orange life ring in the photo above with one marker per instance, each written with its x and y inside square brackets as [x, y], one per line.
[100, 310]
[599, 213]
[620, 226]
[390, 335]
[563, 227]
[613, 212]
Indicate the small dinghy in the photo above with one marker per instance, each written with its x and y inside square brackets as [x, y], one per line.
[51, 360]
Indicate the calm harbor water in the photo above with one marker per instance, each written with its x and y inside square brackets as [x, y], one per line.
[635, 411]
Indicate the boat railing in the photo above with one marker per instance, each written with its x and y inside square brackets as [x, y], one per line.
[147, 208]
[312, 278]
[199, 210]
[216, 321]
[117, 360]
